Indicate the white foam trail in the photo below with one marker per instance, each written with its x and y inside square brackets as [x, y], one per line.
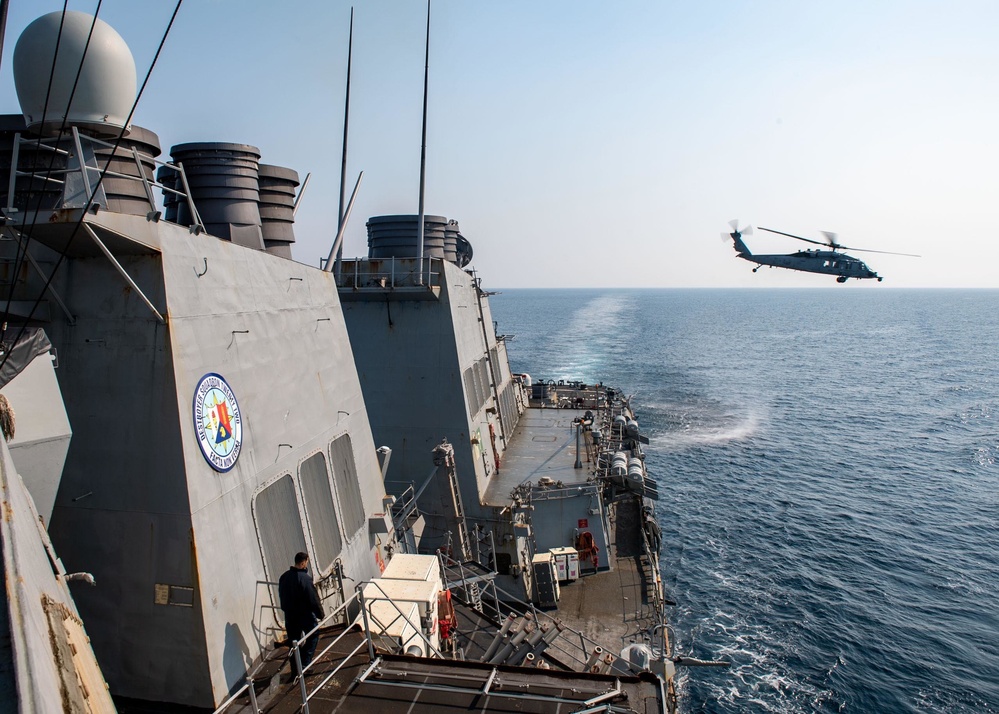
[589, 339]
[692, 436]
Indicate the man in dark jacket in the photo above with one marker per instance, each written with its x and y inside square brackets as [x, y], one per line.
[302, 609]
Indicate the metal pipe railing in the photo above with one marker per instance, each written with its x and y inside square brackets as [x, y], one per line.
[78, 140]
[368, 641]
[248, 687]
[392, 273]
[514, 604]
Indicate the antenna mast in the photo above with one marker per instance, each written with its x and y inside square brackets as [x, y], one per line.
[3, 21]
[423, 151]
[343, 163]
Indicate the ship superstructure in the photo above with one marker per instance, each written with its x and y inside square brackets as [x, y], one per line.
[497, 548]
[522, 515]
[548, 483]
[218, 422]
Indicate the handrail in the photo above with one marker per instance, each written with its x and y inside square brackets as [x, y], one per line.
[336, 669]
[247, 687]
[512, 602]
[52, 145]
[295, 650]
[398, 272]
[416, 626]
[539, 493]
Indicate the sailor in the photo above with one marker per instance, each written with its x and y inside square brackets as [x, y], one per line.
[302, 609]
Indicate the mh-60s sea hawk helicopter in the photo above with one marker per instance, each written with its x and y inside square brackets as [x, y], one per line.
[828, 262]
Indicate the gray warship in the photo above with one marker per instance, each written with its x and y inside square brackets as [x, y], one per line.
[479, 538]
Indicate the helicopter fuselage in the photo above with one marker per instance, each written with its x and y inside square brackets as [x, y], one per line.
[826, 262]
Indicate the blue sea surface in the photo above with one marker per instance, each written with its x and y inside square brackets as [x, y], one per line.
[830, 493]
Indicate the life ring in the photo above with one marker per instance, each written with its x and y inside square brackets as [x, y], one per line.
[587, 548]
[446, 619]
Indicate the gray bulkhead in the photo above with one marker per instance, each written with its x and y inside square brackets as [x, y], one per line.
[426, 367]
[183, 553]
[42, 434]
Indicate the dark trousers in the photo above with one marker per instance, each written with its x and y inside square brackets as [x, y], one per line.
[297, 626]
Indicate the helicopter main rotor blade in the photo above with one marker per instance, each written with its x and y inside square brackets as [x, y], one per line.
[883, 252]
[790, 235]
[836, 246]
[831, 237]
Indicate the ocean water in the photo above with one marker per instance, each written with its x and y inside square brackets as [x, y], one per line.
[827, 460]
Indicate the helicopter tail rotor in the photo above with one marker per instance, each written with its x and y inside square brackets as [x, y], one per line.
[736, 237]
[736, 231]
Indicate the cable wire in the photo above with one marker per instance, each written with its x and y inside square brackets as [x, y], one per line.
[31, 179]
[52, 159]
[100, 179]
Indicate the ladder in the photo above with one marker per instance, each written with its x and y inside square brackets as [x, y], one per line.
[444, 458]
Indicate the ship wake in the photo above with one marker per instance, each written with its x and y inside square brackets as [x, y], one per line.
[590, 341]
[684, 426]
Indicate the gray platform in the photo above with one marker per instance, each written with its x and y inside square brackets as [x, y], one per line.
[543, 445]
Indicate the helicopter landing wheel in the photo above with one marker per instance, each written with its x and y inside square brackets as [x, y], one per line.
[841, 279]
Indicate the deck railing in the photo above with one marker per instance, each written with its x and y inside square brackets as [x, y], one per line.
[88, 175]
[376, 274]
[341, 615]
[575, 648]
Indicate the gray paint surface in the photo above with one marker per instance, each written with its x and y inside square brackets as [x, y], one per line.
[139, 505]
[42, 433]
[38, 609]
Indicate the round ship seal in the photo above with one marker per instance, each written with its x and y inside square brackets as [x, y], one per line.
[217, 422]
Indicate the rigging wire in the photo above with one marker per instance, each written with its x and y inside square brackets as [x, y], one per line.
[3, 22]
[19, 258]
[100, 179]
[31, 179]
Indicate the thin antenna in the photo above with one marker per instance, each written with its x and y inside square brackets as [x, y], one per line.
[301, 192]
[423, 151]
[3, 22]
[343, 163]
[338, 241]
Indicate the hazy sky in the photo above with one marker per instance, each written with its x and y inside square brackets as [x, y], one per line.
[605, 143]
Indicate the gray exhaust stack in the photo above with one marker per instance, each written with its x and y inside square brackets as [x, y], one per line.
[224, 181]
[277, 208]
[397, 236]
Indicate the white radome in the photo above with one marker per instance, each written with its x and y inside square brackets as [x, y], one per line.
[106, 89]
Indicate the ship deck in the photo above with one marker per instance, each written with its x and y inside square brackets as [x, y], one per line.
[424, 686]
[612, 608]
[543, 444]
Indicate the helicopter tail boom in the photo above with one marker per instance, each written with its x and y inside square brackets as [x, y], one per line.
[740, 247]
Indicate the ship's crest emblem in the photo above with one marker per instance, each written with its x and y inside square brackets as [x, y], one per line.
[217, 422]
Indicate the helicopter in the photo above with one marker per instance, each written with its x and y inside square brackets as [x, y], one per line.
[828, 262]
